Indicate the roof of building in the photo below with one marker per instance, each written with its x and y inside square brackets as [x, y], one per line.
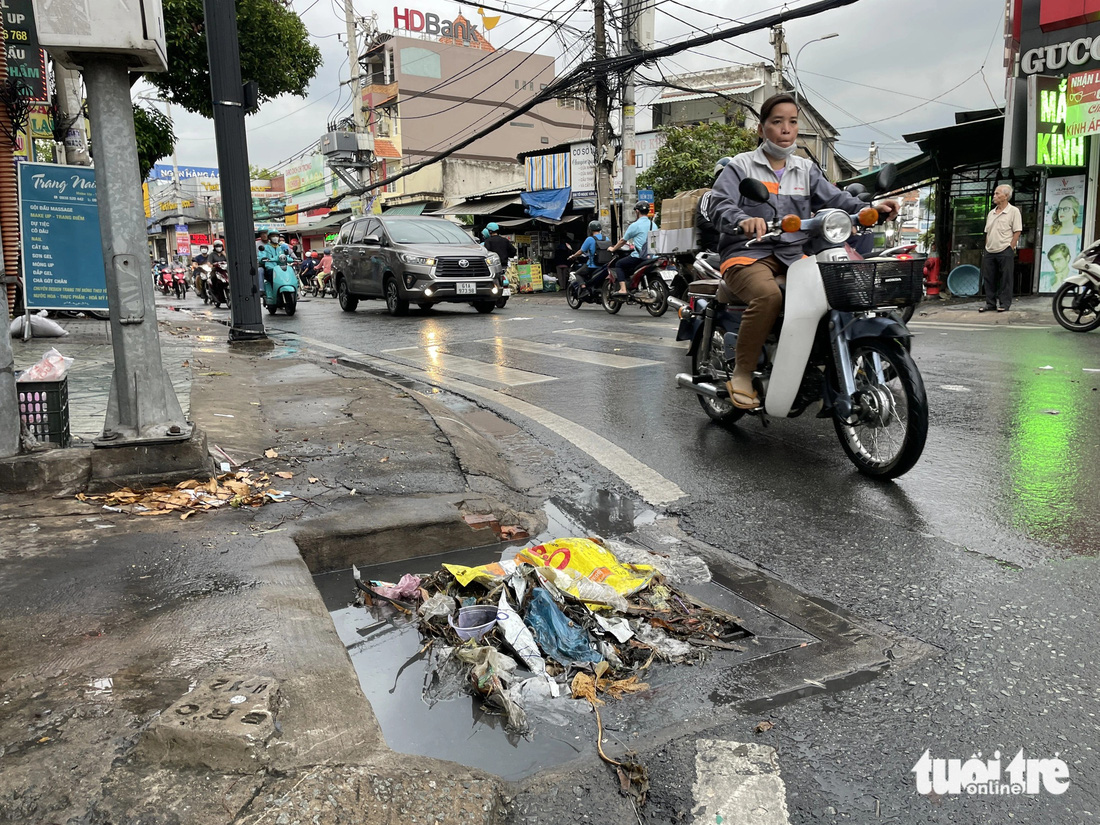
[385, 148]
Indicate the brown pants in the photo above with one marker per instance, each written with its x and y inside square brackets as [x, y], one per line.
[754, 284]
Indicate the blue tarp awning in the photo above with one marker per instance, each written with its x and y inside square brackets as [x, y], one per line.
[546, 203]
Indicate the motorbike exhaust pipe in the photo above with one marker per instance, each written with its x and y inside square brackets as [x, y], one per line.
[676, 303]
[684, 379]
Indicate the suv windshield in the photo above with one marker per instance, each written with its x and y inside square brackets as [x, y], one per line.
[426, 231]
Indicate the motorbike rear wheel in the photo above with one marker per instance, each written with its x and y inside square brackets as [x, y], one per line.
[1077, 307]
[611, 303]
[892, 409]
[660, 304]
[721, 411]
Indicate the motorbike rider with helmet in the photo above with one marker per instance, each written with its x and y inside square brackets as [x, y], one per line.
[637, 235]
[751, 266]
[326, 271]
[590, 247]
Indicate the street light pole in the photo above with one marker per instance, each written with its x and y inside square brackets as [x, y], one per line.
[794, 63]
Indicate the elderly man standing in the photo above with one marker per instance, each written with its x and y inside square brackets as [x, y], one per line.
[1003, 226]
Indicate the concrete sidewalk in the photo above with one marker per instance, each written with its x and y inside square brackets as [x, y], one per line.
[117, 631]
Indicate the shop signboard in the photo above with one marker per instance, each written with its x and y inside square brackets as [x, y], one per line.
[1055, 36]
[1063, 221]
[183, 240]
[1048, 144]
[582, 162]
[164, 171]
[1083, 104]
[59, 227]
[26, 61]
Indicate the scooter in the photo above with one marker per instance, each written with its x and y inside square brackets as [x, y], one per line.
[202, 282]
[833, 349]
[179, 281]
[1077, 301]
[580, 290]
[282, 289]
[649, 287]
[164, 278]
[219, 285]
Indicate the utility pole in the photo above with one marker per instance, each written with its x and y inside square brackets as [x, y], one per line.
[602, 158]
[630, 45]
[358, 116]
[71, 114]
[142, 406]
[245, 283]
[780, 44]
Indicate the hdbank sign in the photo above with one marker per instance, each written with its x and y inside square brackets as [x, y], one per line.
[427, 23]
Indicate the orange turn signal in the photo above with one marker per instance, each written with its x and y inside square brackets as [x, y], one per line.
[790, 223]
[868, 216]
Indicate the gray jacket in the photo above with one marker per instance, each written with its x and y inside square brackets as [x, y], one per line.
[801, 191]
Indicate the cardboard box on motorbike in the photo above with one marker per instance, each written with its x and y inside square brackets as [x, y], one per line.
[678, 232]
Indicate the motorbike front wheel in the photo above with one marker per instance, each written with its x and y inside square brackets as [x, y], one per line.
[290, 302]
[891, 409]
[659, 306]
[1077, 307]
[721, 411]
[573, 295]
[611, 303]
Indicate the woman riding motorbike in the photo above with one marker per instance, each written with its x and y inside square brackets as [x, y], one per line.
[751, 266]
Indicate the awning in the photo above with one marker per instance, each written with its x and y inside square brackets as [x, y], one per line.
[485, 206]
[330, 221]
[912, 173]
[407, 209]
[716, 91]
[520, 221]
[546, 203]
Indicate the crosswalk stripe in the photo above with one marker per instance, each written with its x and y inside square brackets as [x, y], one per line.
[434, 359]
[625, 338]
[584, 356]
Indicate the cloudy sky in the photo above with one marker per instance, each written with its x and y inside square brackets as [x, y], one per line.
[897, 67]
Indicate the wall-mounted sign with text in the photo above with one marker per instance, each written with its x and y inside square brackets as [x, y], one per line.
[1048, 141]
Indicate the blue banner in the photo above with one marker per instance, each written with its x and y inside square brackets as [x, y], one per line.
[164, 171]
[546, 203]
[62, 247]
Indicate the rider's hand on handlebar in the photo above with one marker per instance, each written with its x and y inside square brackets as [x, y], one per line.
[887, 210]
[754, 226]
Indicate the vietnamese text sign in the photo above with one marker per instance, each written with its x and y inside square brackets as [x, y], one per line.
[1083, 104]
[26, 61]
[183, 240]
[1048, 143]
[62, 247]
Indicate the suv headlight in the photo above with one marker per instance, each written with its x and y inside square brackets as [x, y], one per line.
[416, 260]
[836, 226]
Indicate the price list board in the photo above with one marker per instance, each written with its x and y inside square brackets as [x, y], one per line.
[62, 247]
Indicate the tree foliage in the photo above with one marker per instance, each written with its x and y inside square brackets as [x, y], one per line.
[687, 159]
[261, 173]
[155, 138]
[274, 46]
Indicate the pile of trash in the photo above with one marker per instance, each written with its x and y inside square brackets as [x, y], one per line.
[565, 618]
[241, 489]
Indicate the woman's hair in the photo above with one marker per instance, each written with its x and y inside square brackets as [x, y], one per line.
[1075, 204]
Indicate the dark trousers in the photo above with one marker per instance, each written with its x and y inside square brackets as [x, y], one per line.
[997, 277]
[625, 267]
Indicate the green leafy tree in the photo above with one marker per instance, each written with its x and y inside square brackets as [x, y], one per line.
[155, 138]
[261, 173]
[687, 159]
[274, 46]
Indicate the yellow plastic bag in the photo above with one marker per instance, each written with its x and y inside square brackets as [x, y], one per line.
[584, 562]
[487, 574]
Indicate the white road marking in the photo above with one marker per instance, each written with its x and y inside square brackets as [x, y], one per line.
[626, 338]
[584, 356]
[737, 783]
[974, 326]
[434, 359]
[653, 487]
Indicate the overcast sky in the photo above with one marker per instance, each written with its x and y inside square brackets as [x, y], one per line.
[873, 82]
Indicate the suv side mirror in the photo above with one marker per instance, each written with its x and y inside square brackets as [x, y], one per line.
[754, 190]
[372, 240]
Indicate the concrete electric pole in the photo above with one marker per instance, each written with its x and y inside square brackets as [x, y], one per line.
[245, 283]
[71, 114]
[601, 160]
[630, 186]
[359, 117]
[780, 44]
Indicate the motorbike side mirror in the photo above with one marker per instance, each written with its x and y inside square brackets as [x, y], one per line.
[856, 189]
[754, 190]
[886, 177]
[866, 197]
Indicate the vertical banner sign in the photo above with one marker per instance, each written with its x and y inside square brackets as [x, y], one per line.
[1063, 219]
[183, 240]
[26, 61]
[62, 247]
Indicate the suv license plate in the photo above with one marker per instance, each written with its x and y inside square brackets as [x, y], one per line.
[465, 288]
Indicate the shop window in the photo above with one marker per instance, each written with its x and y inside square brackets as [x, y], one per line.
[420, 63]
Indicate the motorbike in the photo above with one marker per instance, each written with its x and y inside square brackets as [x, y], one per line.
[648, 287]
[1077, 301]
[179, 281]
[164, 278]
[833, 348]
[218, 286]
[202, 282]
[580, 290]
[281, 290]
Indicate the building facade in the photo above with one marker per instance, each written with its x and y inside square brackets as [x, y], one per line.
[426, 94]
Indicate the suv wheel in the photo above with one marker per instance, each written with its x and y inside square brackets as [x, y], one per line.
[485, 307]
[348, 302]
[394, 303]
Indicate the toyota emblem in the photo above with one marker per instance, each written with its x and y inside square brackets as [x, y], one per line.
[463, 263]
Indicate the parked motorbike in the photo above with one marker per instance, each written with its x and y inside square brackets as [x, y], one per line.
[218, 285]
[281, 290]
[179, 281]
[648, 287]
[582, 288]
[832, 349]
[1077, 300]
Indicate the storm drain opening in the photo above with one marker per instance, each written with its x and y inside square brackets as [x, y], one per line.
[427, 706]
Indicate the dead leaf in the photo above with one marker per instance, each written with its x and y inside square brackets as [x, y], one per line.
[584, 687]
[284, 474]
[384, 459]
[212, 374]
[313, 480]
[764, 727]
[187, 515]
[271, 453]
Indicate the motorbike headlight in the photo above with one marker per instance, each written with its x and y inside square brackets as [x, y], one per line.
[417, 260]
[836, 226]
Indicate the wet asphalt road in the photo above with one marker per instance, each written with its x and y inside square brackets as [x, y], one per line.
[985, 551]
